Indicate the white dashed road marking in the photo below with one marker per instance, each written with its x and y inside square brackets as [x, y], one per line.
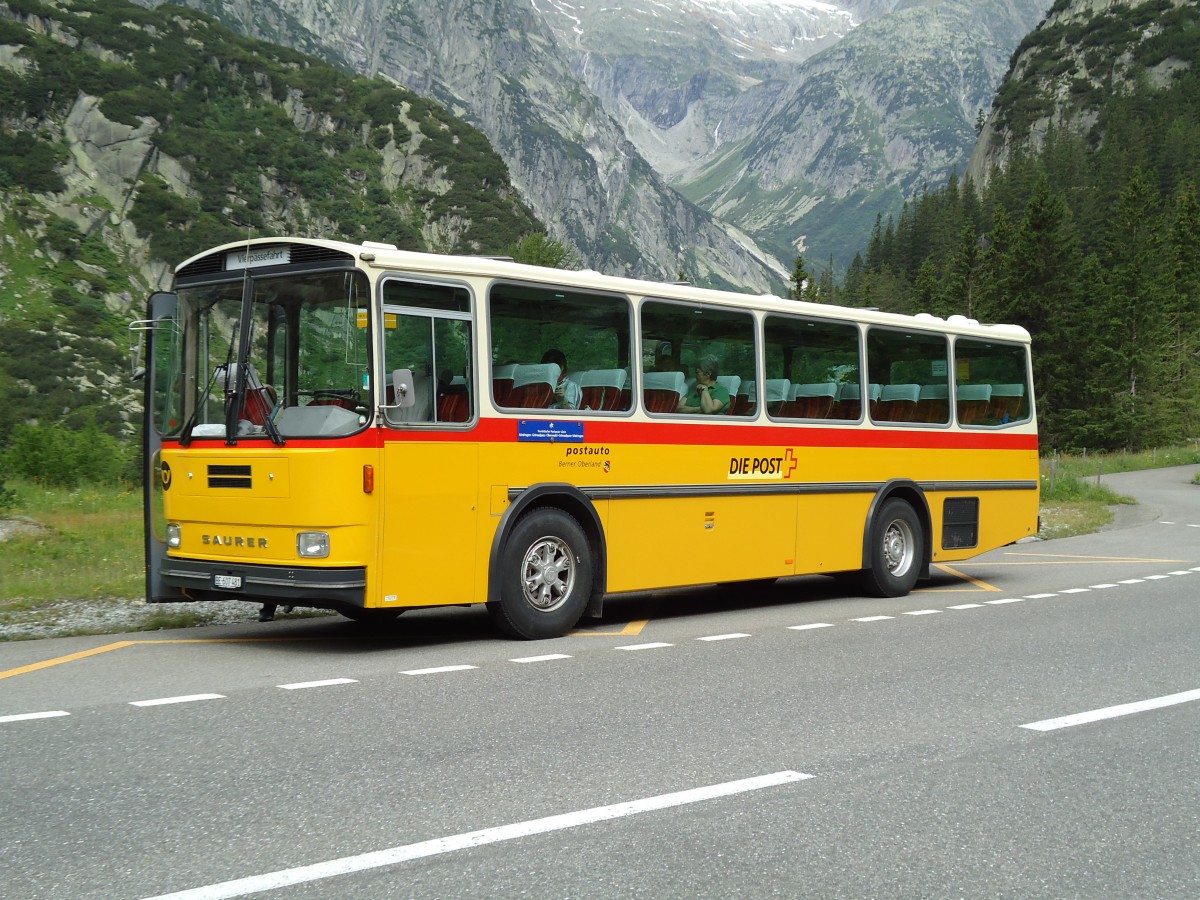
[328, 682]
[1111, 712]
[437, 670]
[652, 645]
[25, 717]
[189, 698]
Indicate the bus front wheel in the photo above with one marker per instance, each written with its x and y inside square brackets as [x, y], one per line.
[546, 577]
[896, 547]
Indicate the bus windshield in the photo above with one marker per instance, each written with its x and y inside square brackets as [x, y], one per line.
[305, 353]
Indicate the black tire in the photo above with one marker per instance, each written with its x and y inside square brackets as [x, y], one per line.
[895, 551]
[545, 577]
[370, 616]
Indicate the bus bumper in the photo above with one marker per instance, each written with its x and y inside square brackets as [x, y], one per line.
[329, 588]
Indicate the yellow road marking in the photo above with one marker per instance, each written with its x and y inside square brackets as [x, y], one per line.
[1059, 559]
[631, 629]
[119, 645]
[979, 585]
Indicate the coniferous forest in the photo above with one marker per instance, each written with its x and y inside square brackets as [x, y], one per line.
[1092, 242]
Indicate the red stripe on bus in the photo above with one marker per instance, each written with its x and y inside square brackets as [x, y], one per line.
[607, 431]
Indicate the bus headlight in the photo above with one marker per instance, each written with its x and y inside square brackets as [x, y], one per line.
[312, 544]
[174, 536]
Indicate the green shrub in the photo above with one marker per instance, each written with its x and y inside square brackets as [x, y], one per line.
[57, 456]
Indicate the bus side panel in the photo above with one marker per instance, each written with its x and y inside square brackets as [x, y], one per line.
[830, 537]
[697, 540]
[430, 509]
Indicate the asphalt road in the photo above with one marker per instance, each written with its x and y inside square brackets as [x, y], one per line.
[791, 741]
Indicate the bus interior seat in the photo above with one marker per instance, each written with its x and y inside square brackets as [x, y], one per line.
[897, 403]
[778, 391]
[453, 403]
[811, 401]
[662, 391]
[602, 389]
[933, 404]
[849, 402]
[502, 384]
[260, 398]
[1006, 400]
[533, 385]
[973, 403]
[745, 402]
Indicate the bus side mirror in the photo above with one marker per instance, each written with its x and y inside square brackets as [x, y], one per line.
[402, 386]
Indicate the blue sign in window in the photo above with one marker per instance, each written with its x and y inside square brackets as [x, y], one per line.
[549, 431]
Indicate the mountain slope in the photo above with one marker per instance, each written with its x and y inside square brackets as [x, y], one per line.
[497, 64]
[792, 122]
[132, 138]
[862, 126]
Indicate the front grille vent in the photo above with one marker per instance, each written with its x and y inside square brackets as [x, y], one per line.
[229, 477]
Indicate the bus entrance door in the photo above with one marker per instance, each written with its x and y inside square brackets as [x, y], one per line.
[431, 523]
[161, 348]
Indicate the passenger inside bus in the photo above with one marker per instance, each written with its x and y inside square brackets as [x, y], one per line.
[567, 393]
[709, 395]
[664, 359]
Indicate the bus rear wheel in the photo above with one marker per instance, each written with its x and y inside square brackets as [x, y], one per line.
[896, 548]
[545, 578]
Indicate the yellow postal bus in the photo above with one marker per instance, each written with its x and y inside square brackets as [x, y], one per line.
[369, 430]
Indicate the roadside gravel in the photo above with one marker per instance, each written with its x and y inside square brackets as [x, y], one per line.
[116, 616]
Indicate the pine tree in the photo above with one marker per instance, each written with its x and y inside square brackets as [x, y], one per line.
[1183, 358]
[963, 271]
[1137, 332]
[799, 282]
[1043, 297]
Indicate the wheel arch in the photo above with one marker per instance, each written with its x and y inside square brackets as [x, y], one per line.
[574, 502]
[910, 492]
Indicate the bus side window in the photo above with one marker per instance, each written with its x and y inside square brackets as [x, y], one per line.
[991, 383]
[427, 330]
[693, 337]
[818, 362]
[588, 331]
[912, 371]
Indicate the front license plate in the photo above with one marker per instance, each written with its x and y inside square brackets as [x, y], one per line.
[229, 582]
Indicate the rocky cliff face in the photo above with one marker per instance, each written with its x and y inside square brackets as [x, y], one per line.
[1062, 73]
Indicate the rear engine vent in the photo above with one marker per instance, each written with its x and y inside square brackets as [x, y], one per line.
[229, 477]
[960, 523]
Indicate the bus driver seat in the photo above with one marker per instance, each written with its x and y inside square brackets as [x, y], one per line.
[260, 398]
